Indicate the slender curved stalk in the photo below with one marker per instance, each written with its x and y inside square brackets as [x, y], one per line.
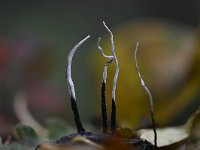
[71, 88]
[149, 94]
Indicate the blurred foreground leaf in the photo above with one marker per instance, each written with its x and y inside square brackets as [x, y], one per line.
[56, 128]
[126, 132]
[26, 135]
[26, 139]
[194, 139]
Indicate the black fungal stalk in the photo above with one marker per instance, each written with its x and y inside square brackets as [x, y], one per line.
[113, 116]
[104, 107]
[77, 119]
[150, 97]
[71, 88]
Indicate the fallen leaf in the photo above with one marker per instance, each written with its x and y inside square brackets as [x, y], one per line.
[165, 136]
[171, 135]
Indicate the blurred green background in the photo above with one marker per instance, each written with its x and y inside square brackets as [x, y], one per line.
[36, 36]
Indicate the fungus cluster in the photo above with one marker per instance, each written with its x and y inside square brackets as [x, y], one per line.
[111, 58]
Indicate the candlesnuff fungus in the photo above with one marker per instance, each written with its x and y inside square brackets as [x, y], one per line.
[71, 88]
[113, 113]
[120, 137]
[100, 138]
[103, 88]
[149, 94]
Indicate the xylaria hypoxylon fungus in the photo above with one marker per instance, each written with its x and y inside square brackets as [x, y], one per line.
[113, 113]
[111, 59]
[103, 88]
[149, 94]
[103, 137]
[71, 88]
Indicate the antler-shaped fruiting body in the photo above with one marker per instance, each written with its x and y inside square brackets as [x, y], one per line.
[149, 94]
[71, 88]
[113, 113]
[111, 59]
[103, 88]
